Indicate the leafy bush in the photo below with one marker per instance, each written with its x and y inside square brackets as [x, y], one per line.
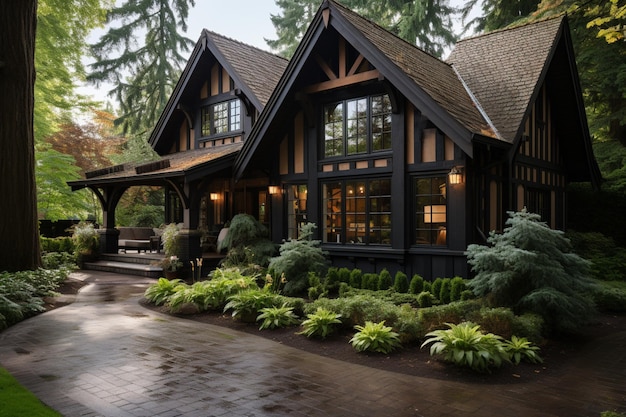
[321, 323]
[358, 309]
[331, 283]
[372, 281]
[57, 260]
[160, 292]
[316, 288]
[384, 280]
[247, 243]
[408, 324]
[416, 285]
[465, 345]
[434, 317]
[21, 292]
[531, 268]
[608, 260]
[57, 244]
[519, 348]
[85, 238]
[246, 304]
[375, 337]
[427, 287]
[401, 282]
[170, 240]
[275, 317]
[299, 257]
[426, 299]
[355, 278]
[610, 296]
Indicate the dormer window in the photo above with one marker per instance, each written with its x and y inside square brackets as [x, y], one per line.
[357, 126]
[221, 117]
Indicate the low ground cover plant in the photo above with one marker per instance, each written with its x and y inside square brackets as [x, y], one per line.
[321, 323]
[21, 293]
[466, 345]
[375, 337]
[276, 317]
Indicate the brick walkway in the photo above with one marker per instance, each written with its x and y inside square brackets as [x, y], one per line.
[105, 355]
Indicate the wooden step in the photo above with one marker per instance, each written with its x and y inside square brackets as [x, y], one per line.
[126, 268]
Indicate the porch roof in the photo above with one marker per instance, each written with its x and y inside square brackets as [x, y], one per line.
[186, 166]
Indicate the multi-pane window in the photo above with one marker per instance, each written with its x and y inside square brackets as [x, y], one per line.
[296, 209]
[430, 211]
[357, 212]
[357, 126]
[221, 117]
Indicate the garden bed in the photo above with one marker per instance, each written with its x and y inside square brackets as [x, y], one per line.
[558, 355]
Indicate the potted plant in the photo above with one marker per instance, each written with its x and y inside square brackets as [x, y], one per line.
[171, 267]
[86, 241]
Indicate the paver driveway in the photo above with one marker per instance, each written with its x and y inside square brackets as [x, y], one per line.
[105, 355]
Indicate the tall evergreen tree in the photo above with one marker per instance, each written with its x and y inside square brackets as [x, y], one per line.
[143, 71]
[19, 245]
[497, 14]
[427, 23]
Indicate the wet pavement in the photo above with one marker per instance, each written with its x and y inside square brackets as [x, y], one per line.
[105, 355]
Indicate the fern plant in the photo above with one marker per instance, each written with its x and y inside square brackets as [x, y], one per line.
[320, 324]
[275, 317]
[375, 337]
[246, 304]
[519, 348]
[465, 345]
[160, 292]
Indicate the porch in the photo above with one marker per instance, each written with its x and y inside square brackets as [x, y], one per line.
[146, 264]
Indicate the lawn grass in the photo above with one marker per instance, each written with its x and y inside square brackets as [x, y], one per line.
[16, 400]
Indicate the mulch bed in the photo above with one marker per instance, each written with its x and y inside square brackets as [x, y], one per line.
[557, 355]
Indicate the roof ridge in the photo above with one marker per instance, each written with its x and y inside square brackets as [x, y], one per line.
[514, 26]
[228, 38]
[357, 15]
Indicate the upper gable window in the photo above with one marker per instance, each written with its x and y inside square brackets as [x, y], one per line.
[221, 117]
[357, 126]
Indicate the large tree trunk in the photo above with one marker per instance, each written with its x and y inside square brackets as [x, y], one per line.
[19, 231]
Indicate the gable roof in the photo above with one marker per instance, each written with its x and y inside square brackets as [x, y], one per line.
[504, 69]
[429, 83]
[254, 71]
[187, 166]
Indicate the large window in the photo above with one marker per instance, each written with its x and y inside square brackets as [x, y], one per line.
[356, 126]
[357, 212]
[430, 211]
[221, 117]
[296, 209]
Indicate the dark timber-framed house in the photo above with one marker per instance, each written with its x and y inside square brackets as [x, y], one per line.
[401, 159]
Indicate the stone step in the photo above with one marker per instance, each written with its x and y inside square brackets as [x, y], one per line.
[140, 258]
[143, 270]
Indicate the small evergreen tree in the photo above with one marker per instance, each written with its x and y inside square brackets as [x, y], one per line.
[531, 268]
[457, 286]
[436, 287]
[297, 258]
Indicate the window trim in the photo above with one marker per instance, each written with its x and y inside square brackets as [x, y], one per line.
[231, 111]
[363, 221]
[344, 140]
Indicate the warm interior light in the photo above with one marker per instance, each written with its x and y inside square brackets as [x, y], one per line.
[214, 196]
[455, 176]
[435, 214]
[273, 189]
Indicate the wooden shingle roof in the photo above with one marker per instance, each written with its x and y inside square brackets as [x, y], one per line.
[437, 78]
[503, 70]
[258, 69]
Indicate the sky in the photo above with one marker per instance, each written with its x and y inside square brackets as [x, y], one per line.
[247, 21]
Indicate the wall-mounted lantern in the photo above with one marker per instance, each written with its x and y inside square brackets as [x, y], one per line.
[455, 176]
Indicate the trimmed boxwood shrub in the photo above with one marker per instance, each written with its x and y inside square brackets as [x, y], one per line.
[355, 278]
[416, 285]
[401, 282]
[384, 280]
